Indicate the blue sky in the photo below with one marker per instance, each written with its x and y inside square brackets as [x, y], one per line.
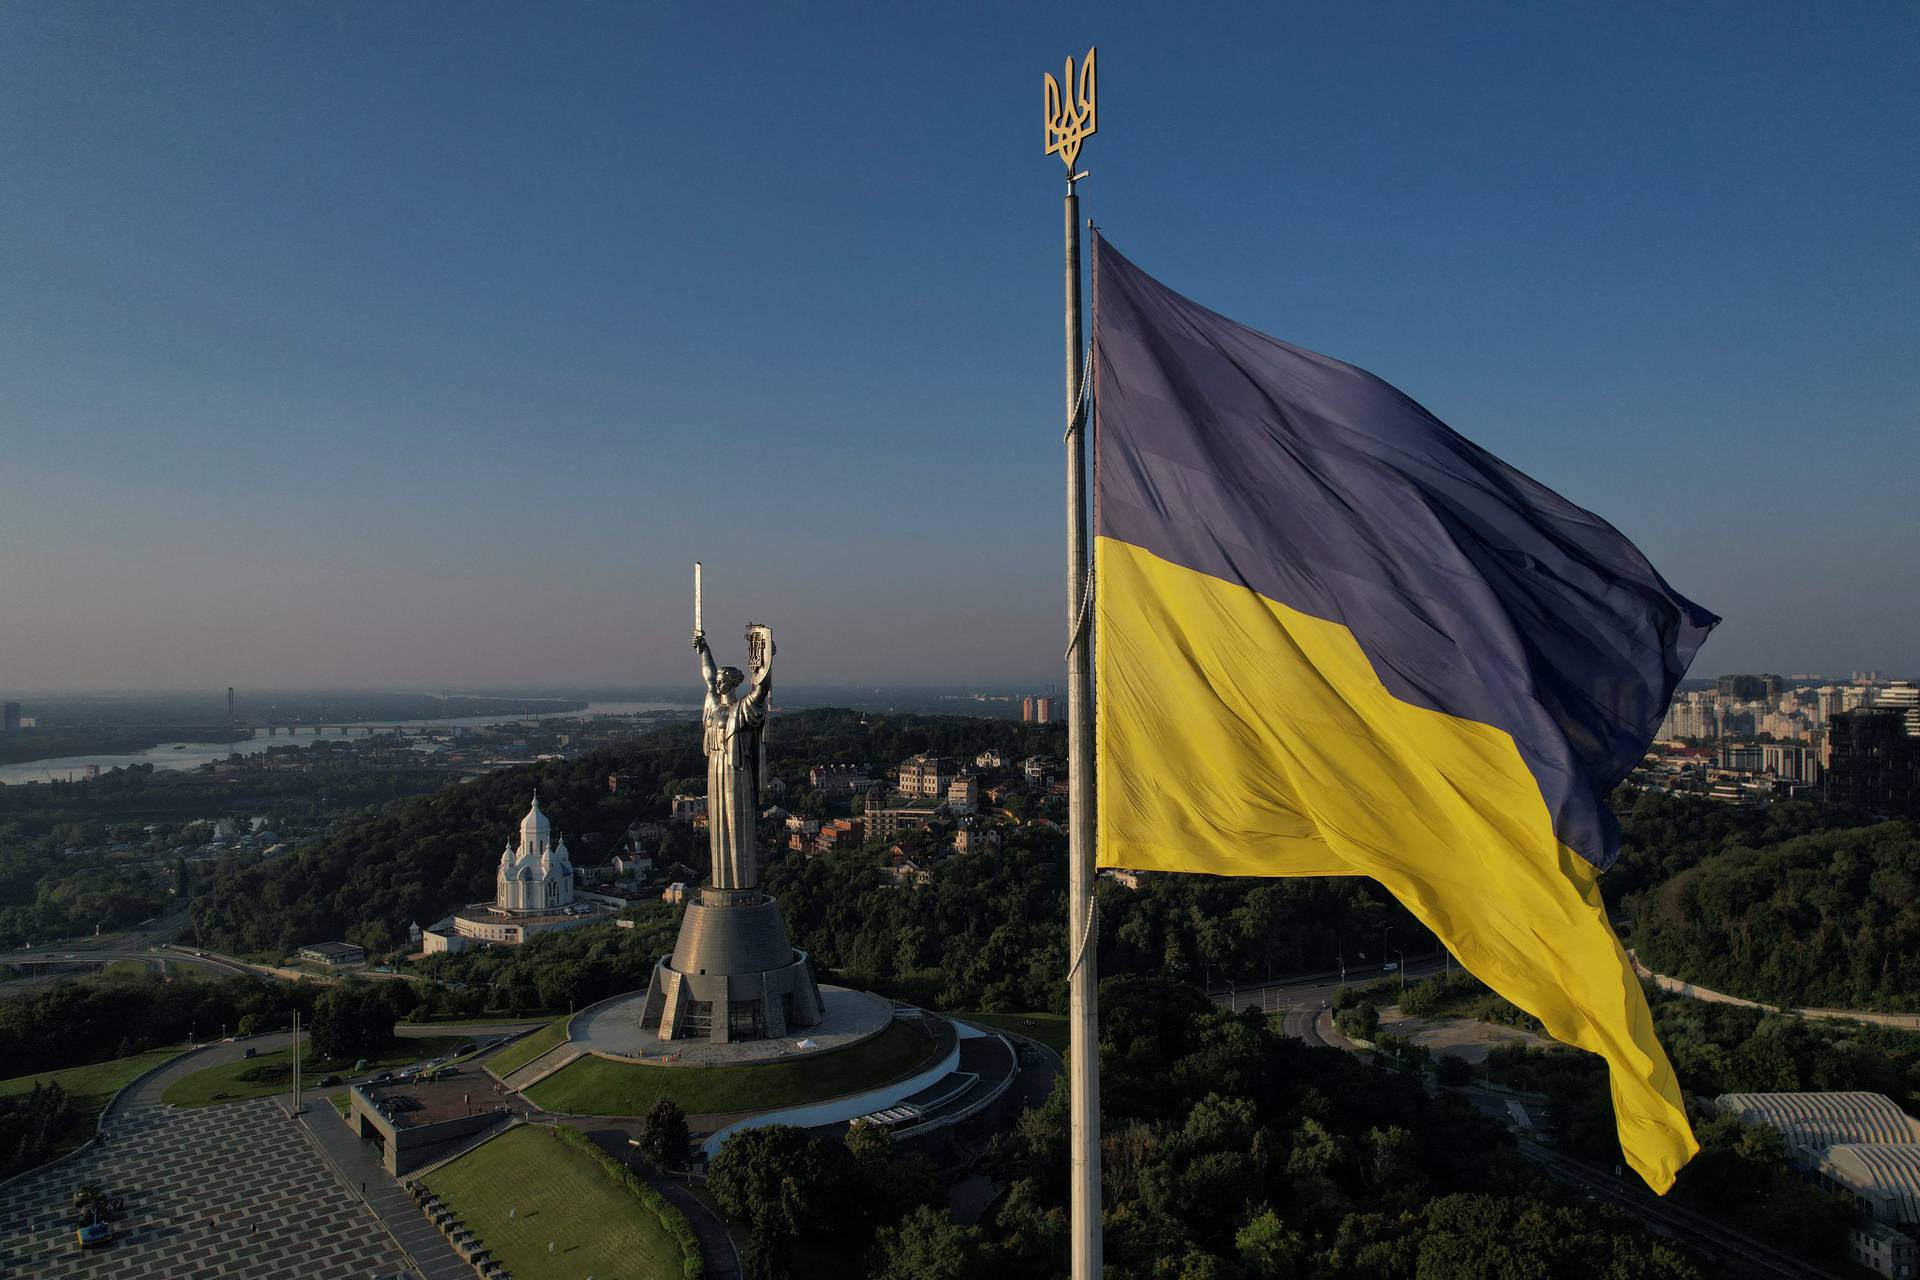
[429, 344]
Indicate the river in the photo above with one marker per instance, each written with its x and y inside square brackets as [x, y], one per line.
[191, 755]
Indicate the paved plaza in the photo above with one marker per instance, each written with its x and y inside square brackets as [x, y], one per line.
[613, 1029]
[233, 1190]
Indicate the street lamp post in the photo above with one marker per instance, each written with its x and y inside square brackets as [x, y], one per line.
[1403, 969]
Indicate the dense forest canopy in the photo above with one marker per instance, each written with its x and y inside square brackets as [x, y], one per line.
[69, 852]
[415, 860]
[1785, 902]
[985, 932]
[1234, 1151]
[1830, 919]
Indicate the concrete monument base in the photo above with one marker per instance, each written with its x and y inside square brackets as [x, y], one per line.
[732, 975]
[612, 1030]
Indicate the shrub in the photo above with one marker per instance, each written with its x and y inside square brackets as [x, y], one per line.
[1435, 994]
[1452, 1069]
[1384, 991]
[1358, 1022]
[267, 1073]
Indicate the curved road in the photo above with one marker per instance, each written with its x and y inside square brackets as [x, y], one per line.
[1702, 1232]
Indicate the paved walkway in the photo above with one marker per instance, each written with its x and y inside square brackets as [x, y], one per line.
[561, 1055]
[1679, 986]
[358, 1168]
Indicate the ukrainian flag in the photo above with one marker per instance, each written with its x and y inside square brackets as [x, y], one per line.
[1337, 638]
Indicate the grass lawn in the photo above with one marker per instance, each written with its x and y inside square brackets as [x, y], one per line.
[272, 1073]
[1050, 1029]
[600, 1087]
[555, 1195]
[124, 969]
[525, 1050]
[89, 1090]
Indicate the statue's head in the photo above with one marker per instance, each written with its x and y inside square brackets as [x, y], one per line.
[731, 678]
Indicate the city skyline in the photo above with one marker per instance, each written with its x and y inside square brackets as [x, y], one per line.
[356, 350]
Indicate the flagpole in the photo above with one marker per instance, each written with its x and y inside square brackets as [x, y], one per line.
[1070, 118]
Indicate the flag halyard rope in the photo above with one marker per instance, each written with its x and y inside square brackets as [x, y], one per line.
[1086, 936]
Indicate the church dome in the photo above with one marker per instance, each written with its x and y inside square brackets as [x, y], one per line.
[534, 828]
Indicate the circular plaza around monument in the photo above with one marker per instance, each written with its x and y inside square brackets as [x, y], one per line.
[611, 1029]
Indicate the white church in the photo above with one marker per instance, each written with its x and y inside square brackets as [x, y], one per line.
[534, 893]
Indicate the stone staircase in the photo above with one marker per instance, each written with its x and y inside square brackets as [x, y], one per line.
[543, 1066]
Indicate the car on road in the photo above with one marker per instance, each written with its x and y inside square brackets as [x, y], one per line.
[1390, 966]
[251, 1052]
[327, 1082]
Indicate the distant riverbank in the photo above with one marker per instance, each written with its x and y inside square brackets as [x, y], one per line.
[28, 745]
[181, 754]
[101, 727]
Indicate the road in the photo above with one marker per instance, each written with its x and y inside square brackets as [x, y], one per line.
[151, 944]
[1282, 994]
[1300, 1000]
[1698, 1230]
[147, 943]
[152, 958]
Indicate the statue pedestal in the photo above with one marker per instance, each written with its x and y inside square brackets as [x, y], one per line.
[732, 975]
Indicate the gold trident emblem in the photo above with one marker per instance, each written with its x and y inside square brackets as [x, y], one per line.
[1070, 125]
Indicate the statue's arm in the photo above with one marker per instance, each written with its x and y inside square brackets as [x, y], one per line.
[763, 678]
[708, 673]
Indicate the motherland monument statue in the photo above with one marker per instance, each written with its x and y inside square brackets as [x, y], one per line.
[732, 975]
[734, 735]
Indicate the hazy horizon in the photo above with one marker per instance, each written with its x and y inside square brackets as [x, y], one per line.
[354, 347]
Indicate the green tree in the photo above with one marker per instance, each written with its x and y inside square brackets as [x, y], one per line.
[783, 1184]
[374, 935]
[1359, 1021]
[1269, 1250]
[563, 983]
[351, 1021]
[663, 1135]
[891, 1185]
[929, 1245]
